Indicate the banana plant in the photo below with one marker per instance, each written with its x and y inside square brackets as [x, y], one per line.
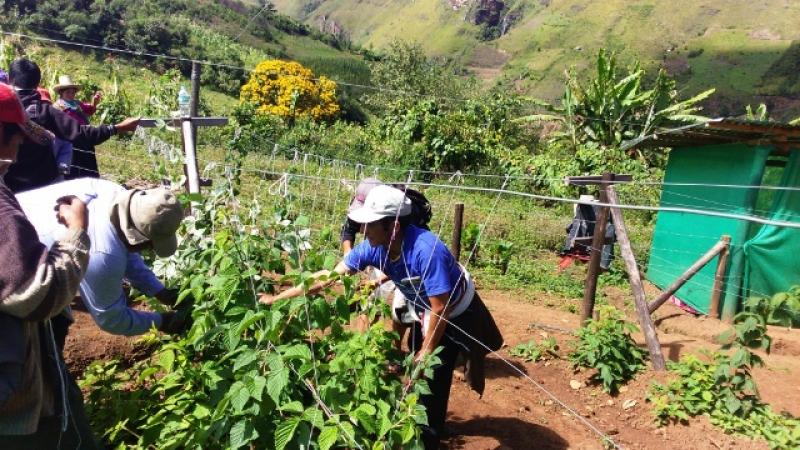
[615, 106]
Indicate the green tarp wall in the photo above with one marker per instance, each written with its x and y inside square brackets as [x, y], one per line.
[772, 262]
[680, 239]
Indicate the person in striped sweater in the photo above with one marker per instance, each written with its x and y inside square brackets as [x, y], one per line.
[36, 408]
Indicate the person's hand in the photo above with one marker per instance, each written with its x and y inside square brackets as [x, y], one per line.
[97, 97]
[167, 296]
[128, 125]
[266, 299]
[371, 284]
[172, 322]
[72, 213]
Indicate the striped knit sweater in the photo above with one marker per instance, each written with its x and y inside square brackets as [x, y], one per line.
[35, 285]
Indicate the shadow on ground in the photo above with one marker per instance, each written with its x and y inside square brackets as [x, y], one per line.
[508, 432]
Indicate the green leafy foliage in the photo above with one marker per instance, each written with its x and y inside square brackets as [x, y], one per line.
[614, 107]
[470, 239]
[245, 376]
[502, 251]
[723, 388]
[533, 351]
[606, 345]
[781, 309]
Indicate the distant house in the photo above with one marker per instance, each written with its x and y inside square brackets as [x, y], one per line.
[731, 166]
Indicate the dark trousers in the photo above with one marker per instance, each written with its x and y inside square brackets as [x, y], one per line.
[436, 402]
[48, 436]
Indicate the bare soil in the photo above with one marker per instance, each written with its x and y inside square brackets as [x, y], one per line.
[516, 414]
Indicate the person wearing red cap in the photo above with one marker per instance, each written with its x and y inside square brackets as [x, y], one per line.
[39, 406]
[36, 166]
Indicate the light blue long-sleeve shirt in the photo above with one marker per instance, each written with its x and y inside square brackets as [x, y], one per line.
[109, 259]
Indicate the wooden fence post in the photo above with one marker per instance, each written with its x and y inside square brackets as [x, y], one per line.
[458, 221]
[190, 156]
[598, 240]
[689, 273]
[719, 277]
[646, 322]
[194, 103]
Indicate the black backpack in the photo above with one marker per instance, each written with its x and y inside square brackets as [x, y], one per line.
[421, 210]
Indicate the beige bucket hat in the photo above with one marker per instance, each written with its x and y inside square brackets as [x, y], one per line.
[153, 215]
[65, 82]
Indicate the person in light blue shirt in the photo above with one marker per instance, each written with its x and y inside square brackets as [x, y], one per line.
[121, 223]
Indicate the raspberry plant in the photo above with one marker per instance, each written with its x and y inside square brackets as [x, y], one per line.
[605, 344]
[722, 387]
[288, 376]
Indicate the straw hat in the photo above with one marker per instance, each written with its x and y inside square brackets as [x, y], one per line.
[65, 82]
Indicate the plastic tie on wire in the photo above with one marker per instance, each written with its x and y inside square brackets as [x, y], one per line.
[280, 186]
[457, 175]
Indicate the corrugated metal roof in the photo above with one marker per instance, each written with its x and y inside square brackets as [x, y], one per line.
[723, 131]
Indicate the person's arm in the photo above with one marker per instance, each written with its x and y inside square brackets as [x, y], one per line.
[348, 235]
[296, 291]
[54, 282]
[88, 109]
[65, 127]
[141, 277]
[439, 313]
[105, 299]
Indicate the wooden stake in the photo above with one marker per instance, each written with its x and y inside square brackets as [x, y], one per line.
[458, 221]
[194, 103]
[689, 273]
[190, 157]
[719, 278]
[649, 330]
[593, 271]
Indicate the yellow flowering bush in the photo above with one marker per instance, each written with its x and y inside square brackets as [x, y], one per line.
[289, 90]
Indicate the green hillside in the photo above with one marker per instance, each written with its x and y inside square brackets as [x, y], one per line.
[748, 50]
[229, 33]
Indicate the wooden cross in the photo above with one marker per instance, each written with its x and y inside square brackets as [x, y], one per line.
[609, 196]
[187, 125]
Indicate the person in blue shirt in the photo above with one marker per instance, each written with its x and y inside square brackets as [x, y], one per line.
[438, 288]
[121, 224]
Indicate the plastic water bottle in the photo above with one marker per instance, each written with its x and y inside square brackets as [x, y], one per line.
[184, 99]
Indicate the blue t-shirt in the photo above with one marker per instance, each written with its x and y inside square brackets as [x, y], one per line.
[424, 256]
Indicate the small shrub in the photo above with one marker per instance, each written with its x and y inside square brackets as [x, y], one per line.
[605, 344]
[781, 309]
[533, 351]
[502, 251]
[289, 90]
[723, 388]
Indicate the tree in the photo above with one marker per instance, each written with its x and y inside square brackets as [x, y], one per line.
[616, 106]
[289, 90]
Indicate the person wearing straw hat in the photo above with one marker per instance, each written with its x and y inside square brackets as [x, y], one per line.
[442, 293]
[39, 404]
[67, 90]
[36, 166]
[122, 223]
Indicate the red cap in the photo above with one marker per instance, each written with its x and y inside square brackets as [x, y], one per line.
[44, 94]
[10, 107]
[11, 111]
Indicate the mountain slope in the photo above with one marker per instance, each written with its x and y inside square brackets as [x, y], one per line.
[748, 50]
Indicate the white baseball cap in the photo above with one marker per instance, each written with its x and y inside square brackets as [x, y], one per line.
[381, 202]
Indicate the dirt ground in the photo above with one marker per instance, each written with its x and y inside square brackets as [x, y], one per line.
[516, 414]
